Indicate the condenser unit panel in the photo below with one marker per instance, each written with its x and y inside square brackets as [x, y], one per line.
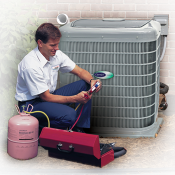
[127, 105]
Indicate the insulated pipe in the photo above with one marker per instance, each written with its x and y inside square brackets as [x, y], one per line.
[163, 88]
[62, 19]
[164, 47]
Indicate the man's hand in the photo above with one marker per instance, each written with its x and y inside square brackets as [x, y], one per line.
[99, 87]
[81, 97]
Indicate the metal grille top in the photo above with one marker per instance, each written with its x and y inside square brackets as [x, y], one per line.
[109, 23]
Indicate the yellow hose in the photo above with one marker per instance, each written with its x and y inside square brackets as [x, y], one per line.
[42, 113]
[77, 107]
[46, 114]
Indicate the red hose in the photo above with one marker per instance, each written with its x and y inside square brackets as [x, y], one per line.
[78, 117]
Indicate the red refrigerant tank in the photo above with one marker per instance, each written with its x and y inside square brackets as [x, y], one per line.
[23, 136]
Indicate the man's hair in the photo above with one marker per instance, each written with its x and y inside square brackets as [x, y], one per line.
[47, 31]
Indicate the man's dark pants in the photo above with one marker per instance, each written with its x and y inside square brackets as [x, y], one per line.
[62, 116]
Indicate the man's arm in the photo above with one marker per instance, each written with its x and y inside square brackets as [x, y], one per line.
[82, 74]
[86, 76]
[79, 98]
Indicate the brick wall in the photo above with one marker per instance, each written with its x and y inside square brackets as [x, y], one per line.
[128, 9]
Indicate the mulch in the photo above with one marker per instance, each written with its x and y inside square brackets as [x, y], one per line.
[158, 152]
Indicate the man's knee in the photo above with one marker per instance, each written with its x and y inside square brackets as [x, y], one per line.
[63, 121]
[71, 115]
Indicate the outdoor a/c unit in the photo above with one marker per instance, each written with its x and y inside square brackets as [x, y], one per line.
[127, 105]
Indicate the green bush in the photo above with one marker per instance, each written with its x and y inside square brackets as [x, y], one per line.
[7, 110]
[17, 38]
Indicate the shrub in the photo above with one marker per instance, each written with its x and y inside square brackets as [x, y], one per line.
[7, 110]
[17, 38]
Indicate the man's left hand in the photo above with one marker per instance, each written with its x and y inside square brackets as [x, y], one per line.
[95, 81]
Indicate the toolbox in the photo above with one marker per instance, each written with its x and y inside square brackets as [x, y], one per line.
[75, 146]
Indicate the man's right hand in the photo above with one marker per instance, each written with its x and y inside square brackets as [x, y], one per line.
[82, 97]
[79, 98]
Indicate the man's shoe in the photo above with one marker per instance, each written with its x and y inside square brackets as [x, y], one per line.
[77, 129]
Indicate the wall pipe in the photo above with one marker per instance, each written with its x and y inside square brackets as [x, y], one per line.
[62, 19]
[164, 48]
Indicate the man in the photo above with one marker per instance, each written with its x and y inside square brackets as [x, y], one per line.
[37, 80]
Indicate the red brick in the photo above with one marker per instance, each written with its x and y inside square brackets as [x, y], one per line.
[172, 44]
[71, 14]
[124, 7]
[143, 9]
[112, 1]
[168, 66]
[162, 79]
[114, 15]
[172, 58]
[172, 15]
[170, 52]
[91, 1]
[171, 22]
[172, 73]
[147, 7]
[50, 14]
[157, 1]
[57, 7]
[167, 80]
[171, 36]
[172, 29]
[25, 12]
[165, 59]
[136, 15]
[101, 7]
[53, 21]
[79, 7]
[91, 14]
[73, 19]
[135, 1]
[172, 87]
[167, 7]
[164, 73]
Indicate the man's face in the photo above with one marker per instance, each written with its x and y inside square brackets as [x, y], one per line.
[50, 48]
